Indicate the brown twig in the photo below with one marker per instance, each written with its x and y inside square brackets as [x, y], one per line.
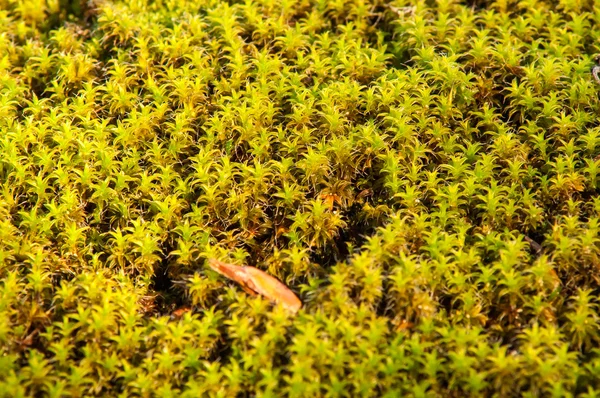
[534, 245]
[596, 69]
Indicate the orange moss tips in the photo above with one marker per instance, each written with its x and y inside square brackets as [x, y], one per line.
[254, 280]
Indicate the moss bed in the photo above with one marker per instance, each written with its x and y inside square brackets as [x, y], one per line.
[424, 175]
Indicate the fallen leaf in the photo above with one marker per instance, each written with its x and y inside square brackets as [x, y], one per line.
[256, 281]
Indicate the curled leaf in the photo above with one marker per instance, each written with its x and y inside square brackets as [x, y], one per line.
[255, 281]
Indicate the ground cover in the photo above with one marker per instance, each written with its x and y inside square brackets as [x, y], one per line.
[423, 175]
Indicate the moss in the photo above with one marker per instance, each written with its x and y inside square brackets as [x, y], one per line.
[423, 175]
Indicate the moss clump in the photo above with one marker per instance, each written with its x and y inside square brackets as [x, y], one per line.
[423, 174]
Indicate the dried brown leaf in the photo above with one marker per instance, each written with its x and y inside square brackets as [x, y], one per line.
[254, 280]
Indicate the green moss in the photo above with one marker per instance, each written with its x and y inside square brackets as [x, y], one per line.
[423, 174]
